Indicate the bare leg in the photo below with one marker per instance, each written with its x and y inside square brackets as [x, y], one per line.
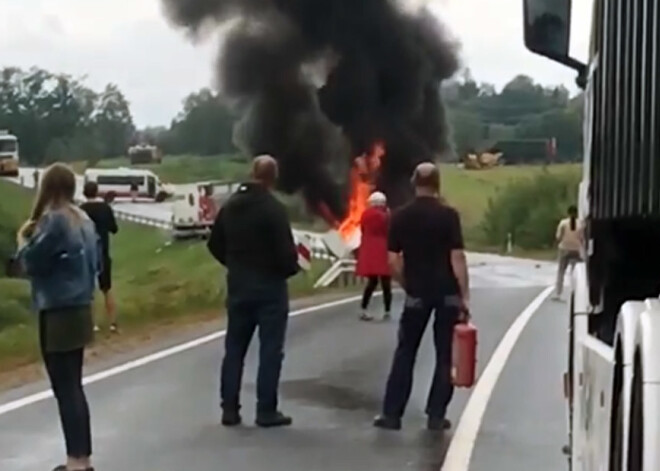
[110, 310]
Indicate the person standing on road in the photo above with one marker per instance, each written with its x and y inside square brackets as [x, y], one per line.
[252, 237]
[569, 238]
[427, 258]
[372, 254]
[101, 213]
[59, 251]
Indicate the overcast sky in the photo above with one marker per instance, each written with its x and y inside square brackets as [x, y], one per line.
[128, 42]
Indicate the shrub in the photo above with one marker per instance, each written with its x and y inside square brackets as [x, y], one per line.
[529, 210]
[14, 303]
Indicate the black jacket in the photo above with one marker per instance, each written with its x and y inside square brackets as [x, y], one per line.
[252, 231]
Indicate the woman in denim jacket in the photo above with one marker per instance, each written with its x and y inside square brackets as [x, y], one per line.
[58, 248]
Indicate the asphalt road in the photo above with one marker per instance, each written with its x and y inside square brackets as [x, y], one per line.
[164, 416]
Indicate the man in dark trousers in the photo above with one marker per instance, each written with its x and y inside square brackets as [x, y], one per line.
[427, 258]
[101, 213]
[252, 237]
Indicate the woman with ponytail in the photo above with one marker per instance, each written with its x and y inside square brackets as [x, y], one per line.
[569, 237]
[59, 251]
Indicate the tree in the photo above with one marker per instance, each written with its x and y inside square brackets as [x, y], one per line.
[204, 127]
[113, 123]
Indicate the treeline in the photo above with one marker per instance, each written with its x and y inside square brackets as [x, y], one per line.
[480, 116]
[58, 117]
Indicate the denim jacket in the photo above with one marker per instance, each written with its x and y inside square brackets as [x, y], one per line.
[61, 259]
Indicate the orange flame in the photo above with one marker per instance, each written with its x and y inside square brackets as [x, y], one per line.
[363, 173]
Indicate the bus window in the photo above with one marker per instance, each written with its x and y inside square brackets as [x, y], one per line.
[151, 187]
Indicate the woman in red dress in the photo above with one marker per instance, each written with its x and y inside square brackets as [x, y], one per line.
[372, 255]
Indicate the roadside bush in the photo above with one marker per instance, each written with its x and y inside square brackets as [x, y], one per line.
[14, 303]
[529, 210]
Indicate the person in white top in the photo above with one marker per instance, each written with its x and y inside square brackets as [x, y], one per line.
[569, 238]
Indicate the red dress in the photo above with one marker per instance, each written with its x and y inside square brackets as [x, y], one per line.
[372, 254]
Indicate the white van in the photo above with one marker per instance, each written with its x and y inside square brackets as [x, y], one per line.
[196, 205]
[128, 182]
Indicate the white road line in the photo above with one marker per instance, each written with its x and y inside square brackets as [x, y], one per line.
[462, 444]
[131, 365]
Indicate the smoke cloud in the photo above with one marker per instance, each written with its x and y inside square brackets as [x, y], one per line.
[317, 82]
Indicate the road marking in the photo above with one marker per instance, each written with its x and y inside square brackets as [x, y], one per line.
[168, 352]
[462, 443]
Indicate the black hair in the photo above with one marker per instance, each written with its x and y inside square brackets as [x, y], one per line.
[91, 190]
[572, 212]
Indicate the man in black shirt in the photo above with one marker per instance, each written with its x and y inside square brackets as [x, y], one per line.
[104, 219]
[252, 237]
[427, 258]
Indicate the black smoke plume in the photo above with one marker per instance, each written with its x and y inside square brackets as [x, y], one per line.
[319, 81]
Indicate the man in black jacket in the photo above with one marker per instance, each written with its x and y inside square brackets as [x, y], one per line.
[252, 237]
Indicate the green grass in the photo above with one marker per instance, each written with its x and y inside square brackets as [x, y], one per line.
[470, 190]
[185, 168]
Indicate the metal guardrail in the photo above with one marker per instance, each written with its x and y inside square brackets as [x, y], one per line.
[144, 220]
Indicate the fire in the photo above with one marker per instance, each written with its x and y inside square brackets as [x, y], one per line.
[362, 177]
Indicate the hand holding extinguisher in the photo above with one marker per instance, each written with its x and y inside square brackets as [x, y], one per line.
[464, 350]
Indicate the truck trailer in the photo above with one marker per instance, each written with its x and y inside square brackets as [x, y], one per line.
[613, 377]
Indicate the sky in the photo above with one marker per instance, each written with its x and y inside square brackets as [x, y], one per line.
[129, 43]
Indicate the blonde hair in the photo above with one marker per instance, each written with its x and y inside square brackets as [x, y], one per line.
[56, 191]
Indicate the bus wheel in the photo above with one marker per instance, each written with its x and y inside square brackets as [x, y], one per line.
[161, 196]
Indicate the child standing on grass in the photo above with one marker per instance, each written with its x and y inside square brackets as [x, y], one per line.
[59, 251]
[101, 213]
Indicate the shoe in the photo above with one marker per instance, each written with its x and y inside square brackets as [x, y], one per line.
[387, 423]
[96, 329]
[113, 328]
[231, 418]
[366, 317]
[387, 316]
[276, 419]
[438, 424]
[63, 467]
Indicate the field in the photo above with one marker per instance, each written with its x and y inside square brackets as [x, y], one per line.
[185, 168]
[155, 282]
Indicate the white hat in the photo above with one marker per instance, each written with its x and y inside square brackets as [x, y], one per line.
[377, 199]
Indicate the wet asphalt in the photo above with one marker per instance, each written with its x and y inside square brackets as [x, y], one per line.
[164, 416]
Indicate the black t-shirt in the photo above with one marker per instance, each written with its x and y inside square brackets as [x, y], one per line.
[426, 232]
[104, 219]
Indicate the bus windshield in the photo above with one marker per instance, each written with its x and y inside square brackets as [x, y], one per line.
[8, 145]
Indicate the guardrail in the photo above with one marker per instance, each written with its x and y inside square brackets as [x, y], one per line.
[144, 220]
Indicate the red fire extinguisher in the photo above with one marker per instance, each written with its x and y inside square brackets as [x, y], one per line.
[464, 355]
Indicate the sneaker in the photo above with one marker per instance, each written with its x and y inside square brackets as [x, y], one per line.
[231, 418]
[96, 329]
[387, 423]
[366, 317]
[276, 419]
[438, 424]
[114, 328]
[387, 316]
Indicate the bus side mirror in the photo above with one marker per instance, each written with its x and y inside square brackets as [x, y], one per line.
[547, 26]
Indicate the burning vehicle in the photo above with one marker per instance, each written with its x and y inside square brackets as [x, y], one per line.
[344, 94]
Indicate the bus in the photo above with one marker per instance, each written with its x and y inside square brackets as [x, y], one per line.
[8, 154]
[612, 383]
[128, 183]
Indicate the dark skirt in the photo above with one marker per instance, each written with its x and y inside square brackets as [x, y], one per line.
[65, 329]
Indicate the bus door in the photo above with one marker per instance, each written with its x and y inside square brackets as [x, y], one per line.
[151, 187]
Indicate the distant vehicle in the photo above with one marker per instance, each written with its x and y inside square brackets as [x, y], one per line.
[8, 154]
[128, 182]
[144, 154]
[196, 206]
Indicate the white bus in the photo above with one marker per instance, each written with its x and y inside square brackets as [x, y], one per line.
[127, 182]
[8, 154]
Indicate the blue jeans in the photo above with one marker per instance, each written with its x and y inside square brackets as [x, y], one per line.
[416, 315]
[254, 301]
